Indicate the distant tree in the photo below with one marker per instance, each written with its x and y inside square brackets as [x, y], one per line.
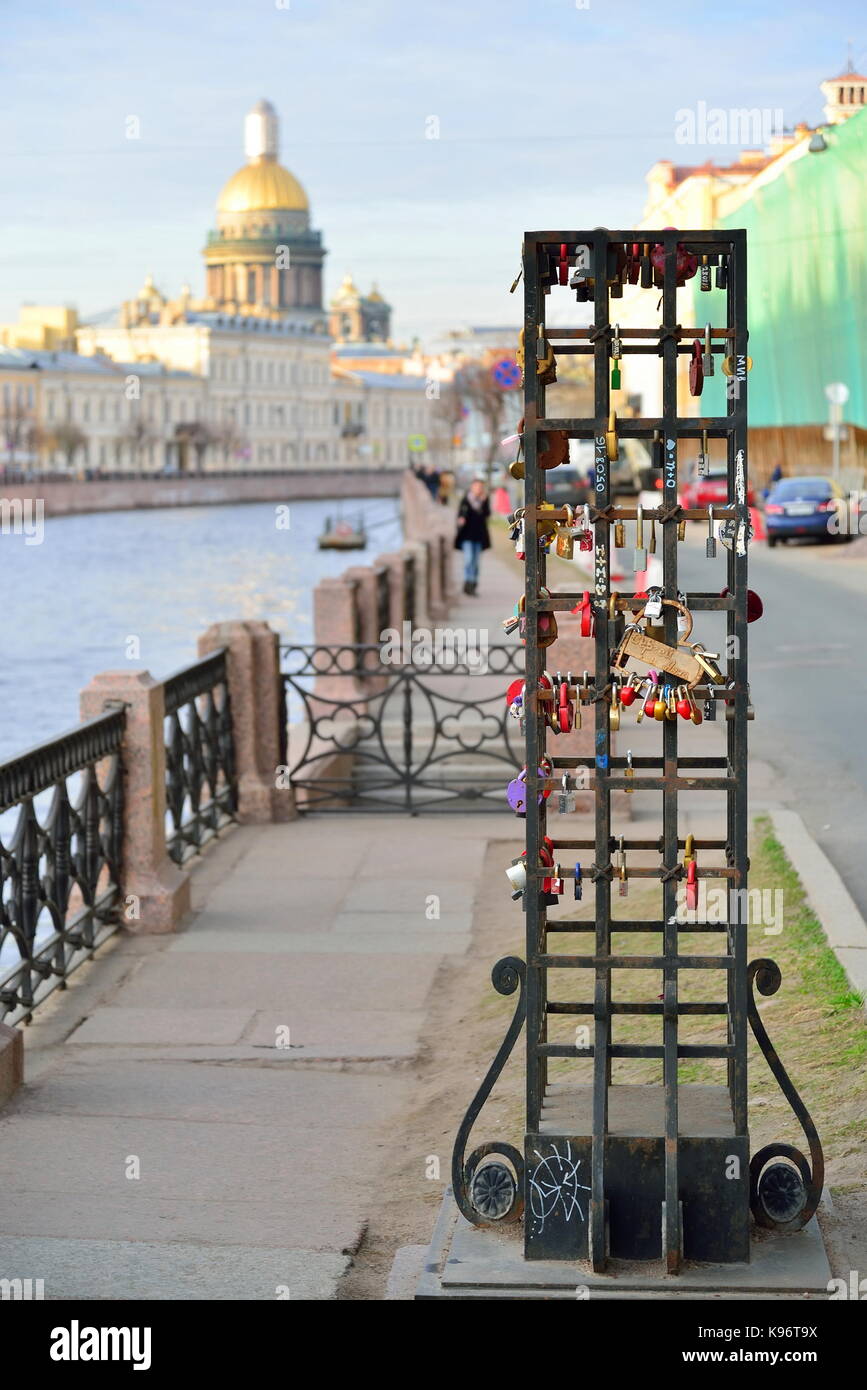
[477, 388]
[195, 435]
[228, 441]
[67, 439]
[18, 429]
[138, 436]
[449, 410]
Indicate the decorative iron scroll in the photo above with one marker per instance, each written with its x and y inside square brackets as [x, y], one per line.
[490, 1193]
[59, 865]
[781, 1197]
[201, 794]
[367, 734]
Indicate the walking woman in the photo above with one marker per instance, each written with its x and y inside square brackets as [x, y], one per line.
[472, 533]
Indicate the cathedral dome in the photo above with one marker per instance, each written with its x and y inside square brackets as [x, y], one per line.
[263, 186]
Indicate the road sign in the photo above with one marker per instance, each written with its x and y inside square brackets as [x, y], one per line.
[417, 443]
[506, 374]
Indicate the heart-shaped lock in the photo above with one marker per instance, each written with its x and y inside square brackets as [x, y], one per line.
[696, 370]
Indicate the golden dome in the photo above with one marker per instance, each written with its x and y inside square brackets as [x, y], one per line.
[262, 186]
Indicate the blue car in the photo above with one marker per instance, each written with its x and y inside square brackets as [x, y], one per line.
[806, 507]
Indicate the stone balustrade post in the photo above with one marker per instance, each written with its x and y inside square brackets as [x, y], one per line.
[161, 889]
[11, 1061]
[253, 671]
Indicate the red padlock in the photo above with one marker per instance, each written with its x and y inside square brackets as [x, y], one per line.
[566, 712]
[691, 887]
[696, 371]
[685, 265]
[564, 263]
[588, 617]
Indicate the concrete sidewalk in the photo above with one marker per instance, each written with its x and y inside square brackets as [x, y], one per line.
[203, 1114]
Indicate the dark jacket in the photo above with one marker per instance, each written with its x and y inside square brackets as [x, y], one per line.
[475, 527]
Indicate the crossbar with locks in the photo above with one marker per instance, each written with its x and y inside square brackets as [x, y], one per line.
[689, 666]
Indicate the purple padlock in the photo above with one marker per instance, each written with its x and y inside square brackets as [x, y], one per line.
[516, 792]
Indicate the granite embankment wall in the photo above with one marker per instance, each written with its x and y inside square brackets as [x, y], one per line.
[69, 497]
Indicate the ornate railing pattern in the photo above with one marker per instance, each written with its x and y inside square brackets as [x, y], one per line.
[366, 734]
[59, 861]
[201, 791]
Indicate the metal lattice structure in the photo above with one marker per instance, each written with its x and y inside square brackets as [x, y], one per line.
[637, 1171]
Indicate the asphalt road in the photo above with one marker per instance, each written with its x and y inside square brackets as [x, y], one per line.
[808, 679]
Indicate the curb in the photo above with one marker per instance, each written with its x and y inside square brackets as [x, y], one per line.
[827, 895]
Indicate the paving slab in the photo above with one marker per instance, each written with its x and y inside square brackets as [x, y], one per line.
[122, 1024]
[378, 939]
[353, 1034]
[110, 1269]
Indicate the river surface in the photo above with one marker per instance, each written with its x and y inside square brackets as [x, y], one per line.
[119, 590]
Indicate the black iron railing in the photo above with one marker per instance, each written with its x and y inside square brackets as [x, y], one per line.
[61, 824]
[201, 792]
[367, 734]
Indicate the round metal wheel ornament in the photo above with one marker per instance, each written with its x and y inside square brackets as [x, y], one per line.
[493, 1191]
[781, 1192]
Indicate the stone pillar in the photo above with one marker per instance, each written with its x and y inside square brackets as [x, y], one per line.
[253, 667]
[393, 562]
[369, 620]
[419, 550]
[11, 1061]
[162, 889]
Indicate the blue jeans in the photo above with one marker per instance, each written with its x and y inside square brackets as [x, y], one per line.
[472, 550]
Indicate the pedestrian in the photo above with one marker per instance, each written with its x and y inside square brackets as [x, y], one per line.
[472, 532]
[431, 481]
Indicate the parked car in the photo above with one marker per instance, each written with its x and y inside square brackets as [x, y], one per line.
[805, 507]
[711, 490]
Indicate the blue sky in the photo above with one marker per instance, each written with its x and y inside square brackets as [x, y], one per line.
[549, 115]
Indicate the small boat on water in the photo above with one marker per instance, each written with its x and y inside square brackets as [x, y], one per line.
[342, 535]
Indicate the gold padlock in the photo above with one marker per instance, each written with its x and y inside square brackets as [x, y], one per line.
[611, 437]
[728, 365]
[565, 538]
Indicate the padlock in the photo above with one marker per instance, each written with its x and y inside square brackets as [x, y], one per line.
[516, 793]
[657, 450]
[588, 615]
[709, 708]
[704, 274]
[707, 661]
[565, 708]
[619, 535]
[653, 606]
[611, 437]
[696, 370]
[623, 885]
[707, 356]
[563, 264]
[684, 708]
[566, 536]
[710, 544]
[633, 263]
[558, 883]
[671, 705]
[685, 263]
[649, 706]
[616, 354]
[566, 800]
[703, 465]
[586, 537]
[728, 366]
[614, 707]
[646, 267]
[517, 876]
[616, 622]
[629, 772]
[694, 711]
[639, 557]
[722, 273]
[681, 529]
[652, 546]
[630, 690]
[579, 883]
[519, 536]
[661, 704]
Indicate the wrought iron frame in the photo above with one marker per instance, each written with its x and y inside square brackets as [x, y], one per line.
[408, 773]
[62, 865]
[201, 790]
[679, 1171]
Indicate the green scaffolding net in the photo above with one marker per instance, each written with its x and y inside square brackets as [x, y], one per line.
[807, 266]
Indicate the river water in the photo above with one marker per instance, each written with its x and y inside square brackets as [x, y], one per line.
[77, 603]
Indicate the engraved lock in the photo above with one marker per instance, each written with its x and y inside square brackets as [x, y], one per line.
[707, 356]
[639, 558]
[684, 621]
[696, 369]
[629, 773]
[710, 544]
[709, 710]
[558, 883]
[653, 606]
[671, 704]
[722, 273]
[704, 274]
[520, 539]
[611, 437]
